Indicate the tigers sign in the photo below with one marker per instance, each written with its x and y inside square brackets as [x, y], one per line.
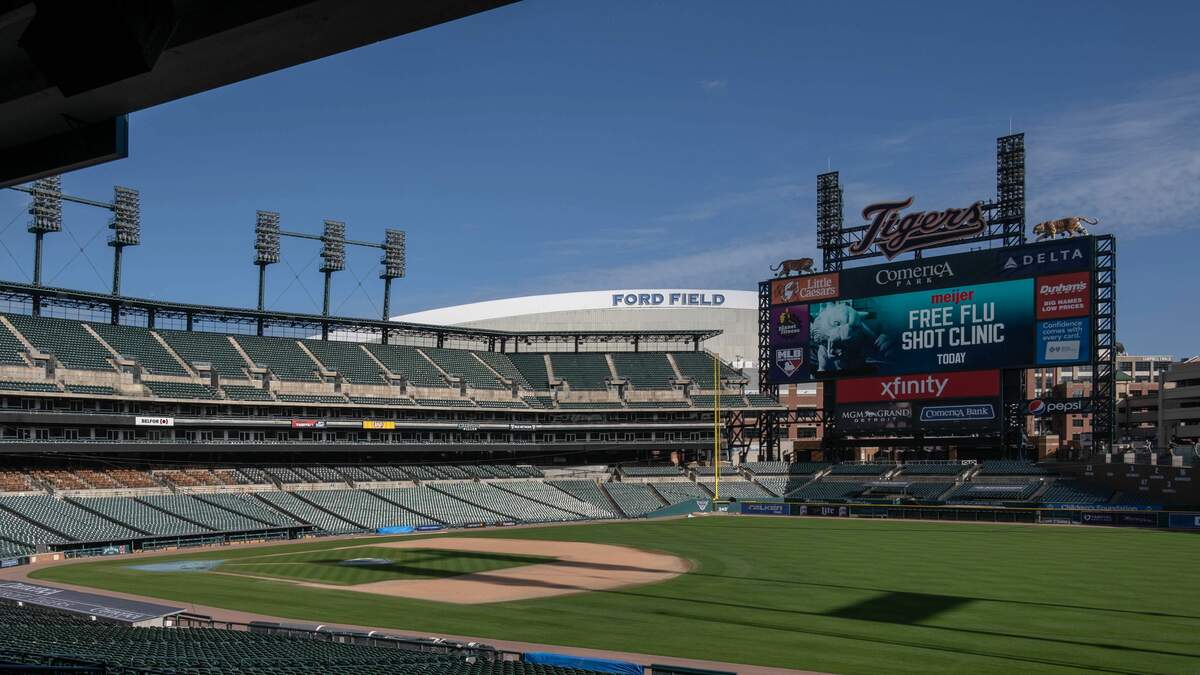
[894, 232]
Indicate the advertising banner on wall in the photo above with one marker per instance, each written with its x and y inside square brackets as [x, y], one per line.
[928, 387]
[379, 424]
[1040, 407]
[807, 288]
[973, 414]
[154, 421]
[308, 424]
[906, 416]
[875, 417]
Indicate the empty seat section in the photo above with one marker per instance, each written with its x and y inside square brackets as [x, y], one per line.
[584, 490]
[282, 356]
[644, 371]
[512, 505]
[141, 516]
[501, 363]
[10, 348]
[211, 348]
[67, 340]
[381, 401]
[584, 372]
[820, 490]
[635, 499]
[699, 367]
[438, 505]
[861, 469]
[642, 471]
[140, 345]
[312, 398]
[933, 469]
[762, 401]
[362, 507]
[533, 367]
[12, 385]
[187, 390]
[204, 513]
[243, 393]
[348, 359]
[465, 365]
[90, 389]
[298, 509]
[67, 518]
[738, 489]
[705, 401]
[1010, 467]
[678, 491]
[408, 362]
[1071, 492]
[991, 492]
[782, 485]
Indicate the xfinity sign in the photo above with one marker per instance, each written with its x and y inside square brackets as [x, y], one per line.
[675, 299]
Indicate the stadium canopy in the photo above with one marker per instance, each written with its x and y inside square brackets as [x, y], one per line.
[70, 72]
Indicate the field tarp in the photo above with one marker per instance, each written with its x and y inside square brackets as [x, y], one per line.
[583, 663]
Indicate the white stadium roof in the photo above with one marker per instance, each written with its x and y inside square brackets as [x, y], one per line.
[656, 299]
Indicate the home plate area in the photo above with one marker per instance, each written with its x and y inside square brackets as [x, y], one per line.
[465, 570]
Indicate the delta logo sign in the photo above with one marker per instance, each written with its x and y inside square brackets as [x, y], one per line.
[930, 387]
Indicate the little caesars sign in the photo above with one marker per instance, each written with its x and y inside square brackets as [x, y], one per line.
[675, 299]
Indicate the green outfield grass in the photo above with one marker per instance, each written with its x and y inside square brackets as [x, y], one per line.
[329, 566]
[847, 596]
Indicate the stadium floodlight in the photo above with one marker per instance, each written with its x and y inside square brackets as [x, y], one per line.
[266, 238]
[393, 255]
[333, 253]
[127, 218]
[46, 208]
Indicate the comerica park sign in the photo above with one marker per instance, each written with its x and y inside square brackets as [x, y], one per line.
[896, 232]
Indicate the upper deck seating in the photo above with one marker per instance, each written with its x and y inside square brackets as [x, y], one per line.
[139, 345]
[699, 367]
[460, 362]
[348, 359]
[188, 390]
[533, 367]
[407, 362]
[10, 348]
[211, 348]
[67, 340]
[501, 363]
[705, 401]
[242, 393]
[282, 356]
[584, 372]
[644, 370]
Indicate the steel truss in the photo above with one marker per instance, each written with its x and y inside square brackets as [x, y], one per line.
[1104, 345]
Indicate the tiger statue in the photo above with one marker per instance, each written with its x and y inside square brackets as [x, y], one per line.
[797, 265]
[1070, 227]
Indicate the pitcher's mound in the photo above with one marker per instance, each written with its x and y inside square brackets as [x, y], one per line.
[577, 568]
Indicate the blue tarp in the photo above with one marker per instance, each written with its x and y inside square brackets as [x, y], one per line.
[583, 663]
[396, 529]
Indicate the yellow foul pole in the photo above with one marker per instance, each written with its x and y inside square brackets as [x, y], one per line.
[716, 426]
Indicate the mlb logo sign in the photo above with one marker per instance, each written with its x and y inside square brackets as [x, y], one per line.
[790, 361]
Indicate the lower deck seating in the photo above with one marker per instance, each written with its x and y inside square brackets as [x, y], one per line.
[512, 505]
[679, 491]
[438, 505]
[832, 490]
[67, 518]
[295, 508]
[363, 508]
[739, 489]
[1072, 492]
[208, 515]
[585, 490]
[987, 492]
[782, 485]
[635, 499]
[551, 495]
[141, 516]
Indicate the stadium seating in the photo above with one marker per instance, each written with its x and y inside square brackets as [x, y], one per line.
[362, 508]
[726, 470]
[408, 362]
[584, 372]
[460, 362]
[438, 505]
[585, 490]
[67, 340]
[186, 390]
[348, 359]
[986, 492]
[782, 485]
[502, 364]
[705, 401]
[211, 348]
[661, 405]
[20, 533]
[446, 402]
[91, 389]
[509, 504]
[141, 516]
[738, 488]
[509, 403]
[14, 481]
[28, 386]
[699, 367]
[650, 471]
[10, 348]
[59, 479]
[381, 401]
[66, 518]
[677, 491]
[934, 469]
[322, 399]
[208, 515]
[1009, 467]
[634, 499]
[825, 491]
[539, 401]
[761, 401]
[555, 497]
[244, 393]
[861, 469]
[282, 356]
[916, 490]
[784, 468]
[297, 509]
[533, 367]
[1066, 491]
[139, 345]
[644, 370]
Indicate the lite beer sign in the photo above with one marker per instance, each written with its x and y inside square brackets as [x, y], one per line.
[894, 232]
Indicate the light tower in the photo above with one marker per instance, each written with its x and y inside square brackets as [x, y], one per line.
[393, 265]
[126, 225]
[46, 210]
[266, 249]
[333, 255]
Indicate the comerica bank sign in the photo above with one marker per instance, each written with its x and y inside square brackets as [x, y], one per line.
[669, 299]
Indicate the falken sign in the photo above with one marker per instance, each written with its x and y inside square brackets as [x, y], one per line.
[672, 299]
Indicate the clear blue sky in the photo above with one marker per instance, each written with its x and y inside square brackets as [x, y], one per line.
[552, 146]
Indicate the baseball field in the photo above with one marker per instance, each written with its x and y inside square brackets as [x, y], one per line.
[844, 596]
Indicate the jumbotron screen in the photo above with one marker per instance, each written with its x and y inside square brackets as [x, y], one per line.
[1017, 307]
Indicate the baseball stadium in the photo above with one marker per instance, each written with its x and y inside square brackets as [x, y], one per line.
[570, 483]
